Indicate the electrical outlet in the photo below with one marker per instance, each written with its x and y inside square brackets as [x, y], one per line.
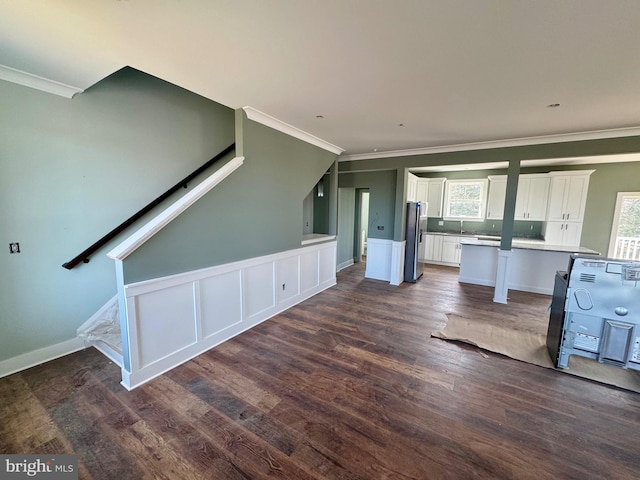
[440, 223]
[14, 247]
[283, 286]
[380, 227]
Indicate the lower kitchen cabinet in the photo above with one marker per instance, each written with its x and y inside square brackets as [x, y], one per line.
[442, 249]
[450, 250]
[432, 247]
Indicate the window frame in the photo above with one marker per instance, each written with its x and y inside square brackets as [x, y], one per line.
[484, 184]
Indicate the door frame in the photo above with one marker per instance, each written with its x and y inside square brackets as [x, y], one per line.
[357, 245]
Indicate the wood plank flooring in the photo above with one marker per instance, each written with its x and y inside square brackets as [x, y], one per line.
[347, 385]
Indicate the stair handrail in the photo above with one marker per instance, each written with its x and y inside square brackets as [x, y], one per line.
[83, 257]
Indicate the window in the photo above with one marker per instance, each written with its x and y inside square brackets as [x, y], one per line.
[465, 199]
[625, 231]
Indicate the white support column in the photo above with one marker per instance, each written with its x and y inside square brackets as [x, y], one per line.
[503, 274]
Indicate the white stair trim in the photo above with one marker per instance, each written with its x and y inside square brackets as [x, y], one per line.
[128, 246]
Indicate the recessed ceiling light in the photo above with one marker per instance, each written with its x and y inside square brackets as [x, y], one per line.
[319, 116]
[553, 105]
[401, 124]
[375, 149]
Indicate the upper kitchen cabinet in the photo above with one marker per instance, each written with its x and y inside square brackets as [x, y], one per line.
[423, 191]
[412, 188]
[532, 197]
[431, 192]
[436, 197]
[496, 198]
[568, 195]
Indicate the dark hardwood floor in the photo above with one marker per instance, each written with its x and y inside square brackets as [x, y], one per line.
[347, 385]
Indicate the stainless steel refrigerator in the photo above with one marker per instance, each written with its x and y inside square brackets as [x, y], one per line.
[413, 236]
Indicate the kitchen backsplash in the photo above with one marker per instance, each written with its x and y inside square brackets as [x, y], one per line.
[521, 229]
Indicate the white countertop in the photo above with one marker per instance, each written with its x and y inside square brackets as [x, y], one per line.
[527, 245]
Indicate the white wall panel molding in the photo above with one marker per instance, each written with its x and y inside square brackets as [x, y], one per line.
[272, 122]
[397, 262]
[379, 253]
[503, 272]
[39, 83]
[173, 319]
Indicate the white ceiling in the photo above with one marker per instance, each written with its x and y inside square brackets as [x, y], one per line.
[451, 71]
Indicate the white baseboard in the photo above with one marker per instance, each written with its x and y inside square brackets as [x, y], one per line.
[476, 281]
[39, 356]
[343, 265]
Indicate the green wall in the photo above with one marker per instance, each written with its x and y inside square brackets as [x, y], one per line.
[255, 211]
[71, 171]
[382, 191]
[346, 225]
[322, 208]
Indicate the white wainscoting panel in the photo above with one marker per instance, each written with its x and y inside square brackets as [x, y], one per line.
[258, 286]
[396, 270]
[168, 319]
[173, 319]
[327, 265]
[287, 279]
[220, 304]
[309, 272]
[379, 259]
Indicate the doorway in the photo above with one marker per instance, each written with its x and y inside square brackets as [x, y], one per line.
[362, 225]
[625, 231]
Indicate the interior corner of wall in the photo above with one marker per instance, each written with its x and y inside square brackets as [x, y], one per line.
[240, 118]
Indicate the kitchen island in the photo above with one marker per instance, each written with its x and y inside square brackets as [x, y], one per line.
[533, 263]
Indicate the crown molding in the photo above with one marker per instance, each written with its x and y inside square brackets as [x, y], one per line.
[39, 83]
[515, 142]
[272, 122]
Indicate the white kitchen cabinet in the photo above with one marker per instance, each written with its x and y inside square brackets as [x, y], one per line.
[432, 247]
[422, 249]
[412, 188]
[532, 197]
[442, 249]
[562, 233]
[496, 198]
[568, 195]
[431, 192]
[435, 197]
[450, 249]
[422, 190]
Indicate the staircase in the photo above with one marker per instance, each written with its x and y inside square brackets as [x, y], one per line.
[103, 332]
